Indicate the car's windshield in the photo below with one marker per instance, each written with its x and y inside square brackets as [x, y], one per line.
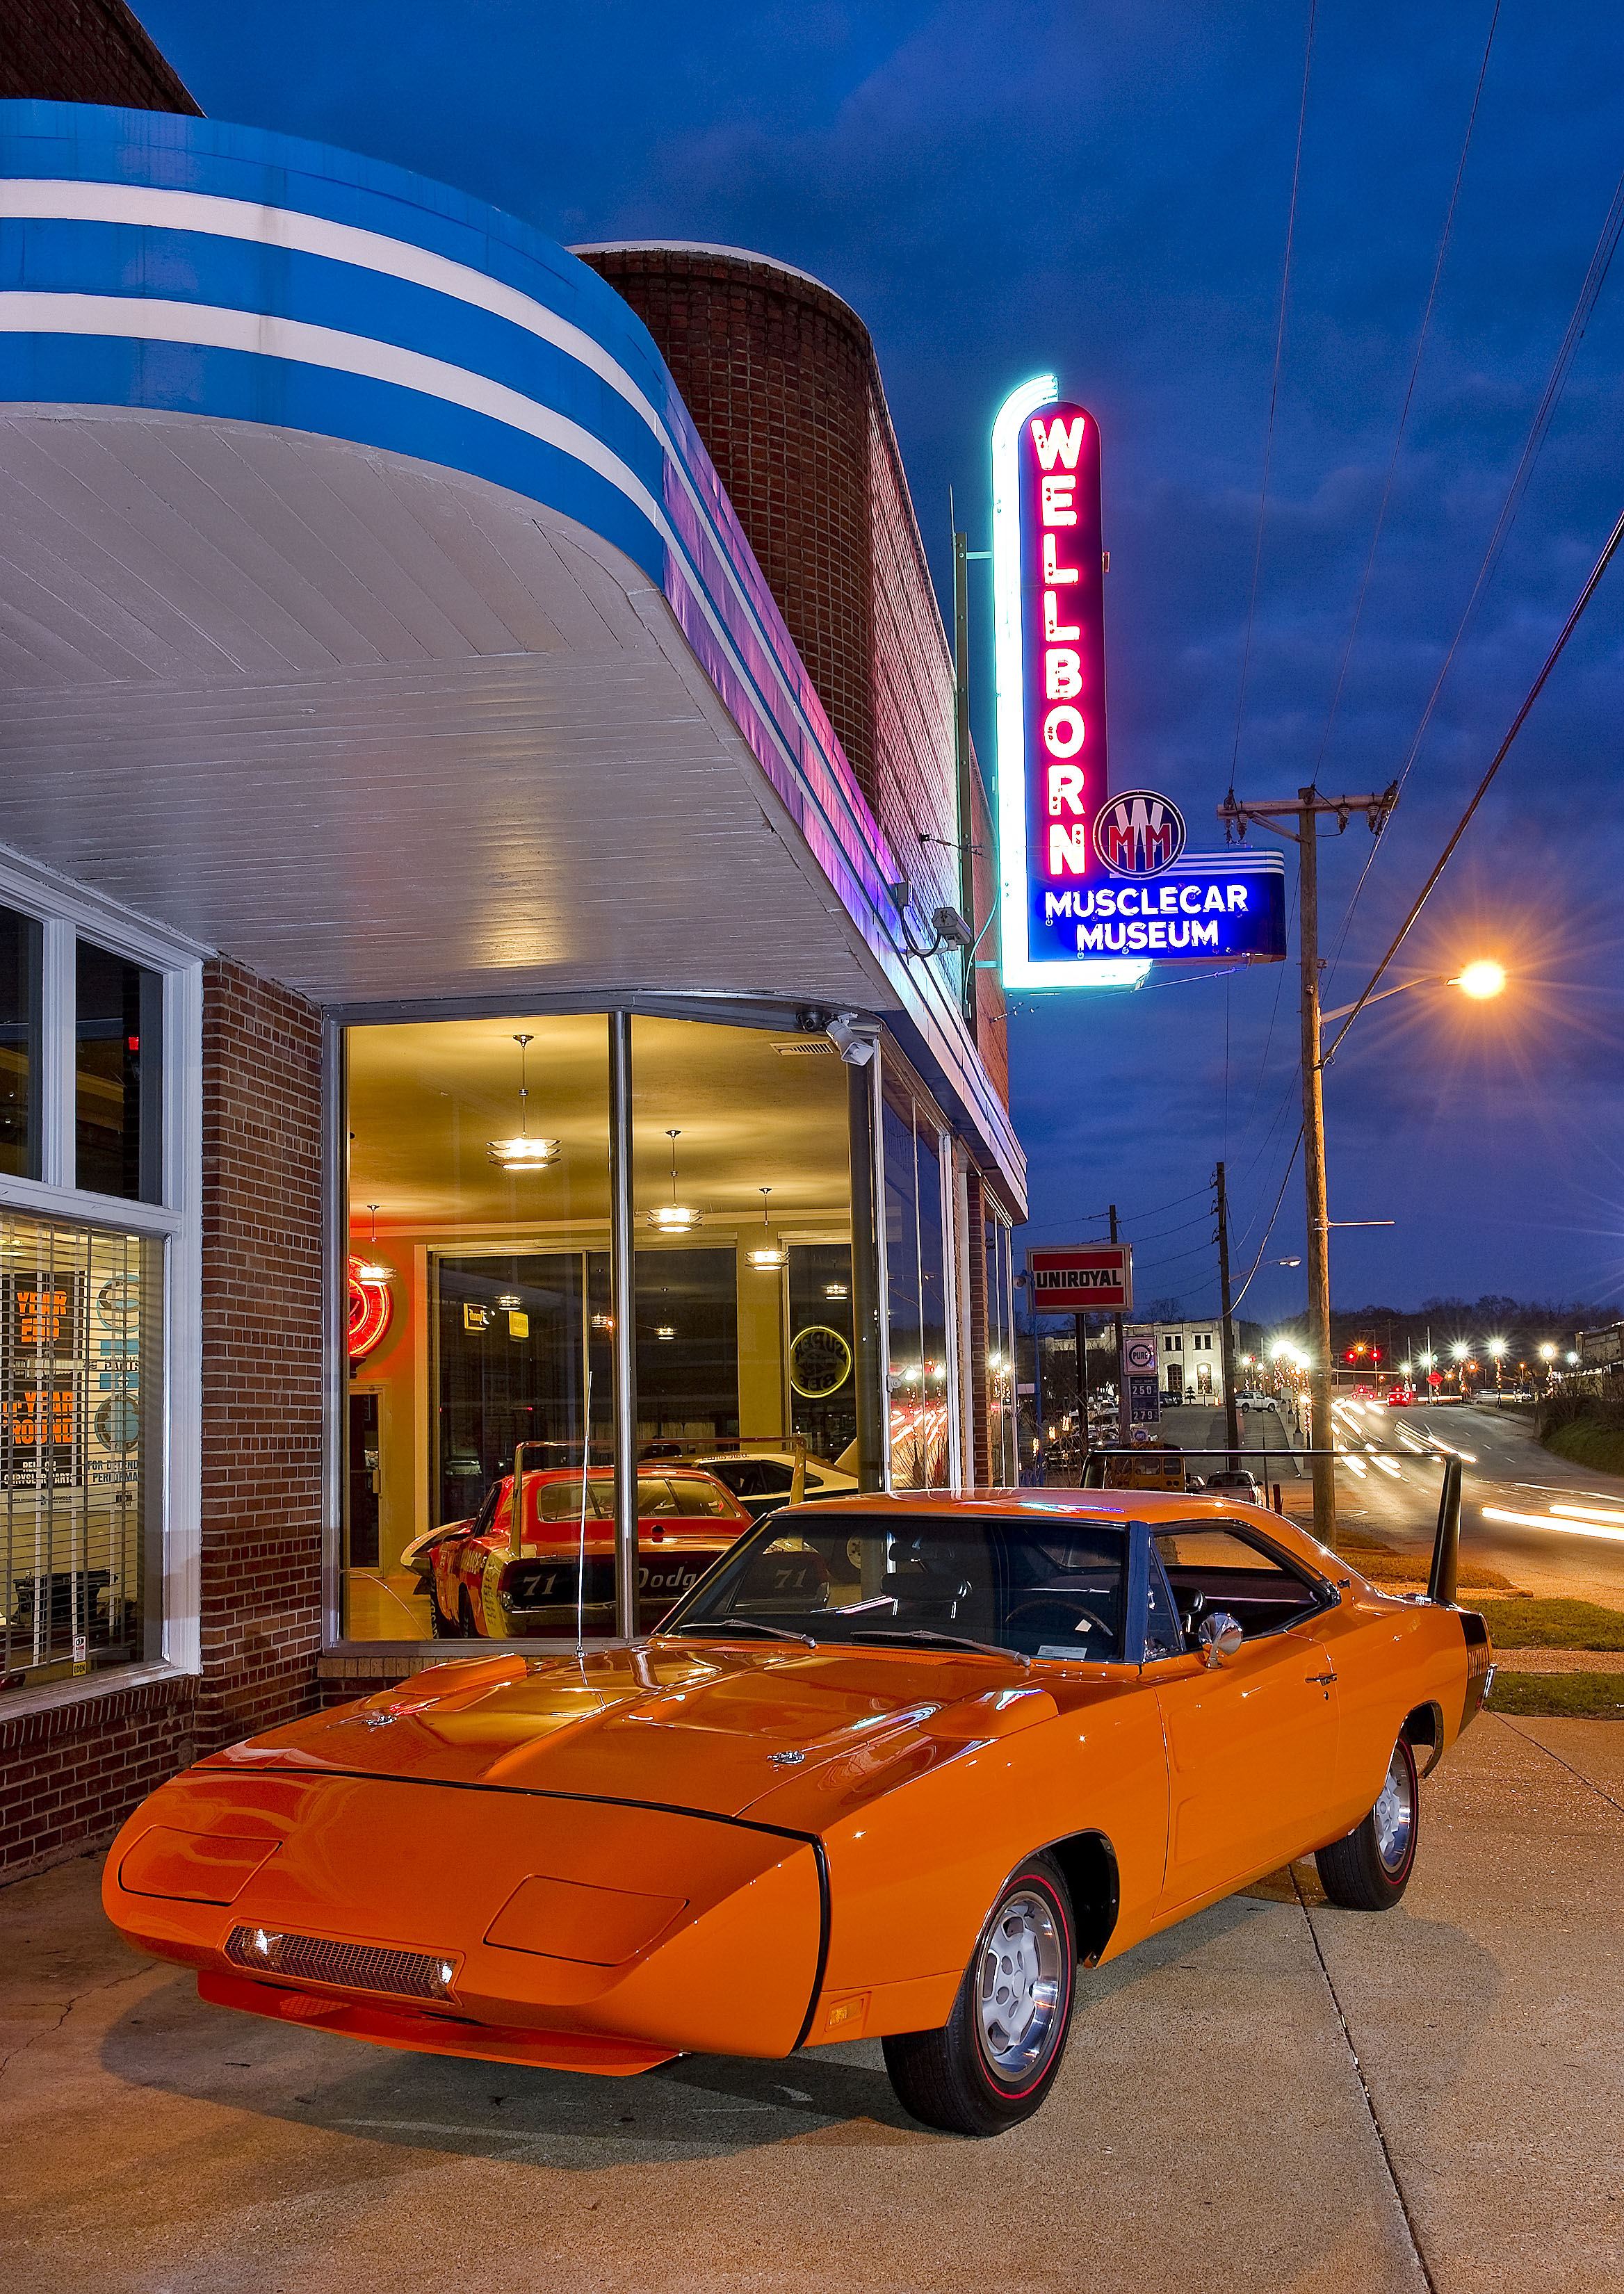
[1042, 1585]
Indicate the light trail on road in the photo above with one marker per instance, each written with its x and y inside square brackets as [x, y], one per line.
[1591, 1513]
[1545, 1521]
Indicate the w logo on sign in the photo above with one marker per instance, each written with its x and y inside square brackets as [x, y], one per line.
[1139, 833]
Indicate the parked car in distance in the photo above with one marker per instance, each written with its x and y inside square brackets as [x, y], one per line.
[898, 1768]
[480, 1589]
[1234, 1477]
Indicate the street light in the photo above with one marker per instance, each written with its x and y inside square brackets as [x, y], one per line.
[1497, 1348]
[1480, 980]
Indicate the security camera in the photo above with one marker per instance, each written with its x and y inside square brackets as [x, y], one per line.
[853, 1039]
[950, 928]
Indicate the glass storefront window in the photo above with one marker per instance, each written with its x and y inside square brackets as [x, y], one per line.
[1001, 1358]
[118, 1076]
[21, 940]
[744, 1314]
[481, 1308]
[80, 1453]
[478, 1284]
[915, 1281]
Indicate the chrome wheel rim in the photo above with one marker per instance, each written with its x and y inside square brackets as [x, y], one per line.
[1394, 1815]
[1020, 1986]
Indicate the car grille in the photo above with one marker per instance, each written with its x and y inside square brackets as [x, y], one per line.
[356, 1967]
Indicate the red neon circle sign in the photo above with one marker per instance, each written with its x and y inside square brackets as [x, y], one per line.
[369, 1308]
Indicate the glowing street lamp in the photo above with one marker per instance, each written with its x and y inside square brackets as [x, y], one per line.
[1481, 981]
[1497, 1348]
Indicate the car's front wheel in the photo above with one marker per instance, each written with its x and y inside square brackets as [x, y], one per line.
[1370, 1869]
[996, 2058]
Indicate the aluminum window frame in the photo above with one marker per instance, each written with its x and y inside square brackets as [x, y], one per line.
[69, 912]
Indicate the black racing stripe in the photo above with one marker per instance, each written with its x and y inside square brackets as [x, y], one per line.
[823, 1937]
[516, 1791]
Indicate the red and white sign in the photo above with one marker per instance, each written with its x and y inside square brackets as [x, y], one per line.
[1084, 1278]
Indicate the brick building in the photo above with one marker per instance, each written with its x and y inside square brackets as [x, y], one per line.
[466, 709]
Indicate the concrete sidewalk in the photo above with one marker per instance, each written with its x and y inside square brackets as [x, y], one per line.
[1275, 2096]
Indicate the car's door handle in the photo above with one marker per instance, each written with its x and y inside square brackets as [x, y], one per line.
[1316, 1678]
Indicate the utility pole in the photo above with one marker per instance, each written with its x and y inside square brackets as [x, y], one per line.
[1123, 1416]
[963, 767]
[1080, 1325]
[1232, 1417]
[1307, 807]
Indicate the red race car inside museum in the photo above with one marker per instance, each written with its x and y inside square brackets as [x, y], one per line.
[482, 1588]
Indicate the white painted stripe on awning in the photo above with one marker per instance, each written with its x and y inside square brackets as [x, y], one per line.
[147, 205]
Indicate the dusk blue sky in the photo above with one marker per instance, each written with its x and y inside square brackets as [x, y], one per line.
[1103, 189]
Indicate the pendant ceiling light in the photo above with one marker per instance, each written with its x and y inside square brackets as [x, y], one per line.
[523, 1153]
[373, 1269]
[772, 1255]
[672, 1217]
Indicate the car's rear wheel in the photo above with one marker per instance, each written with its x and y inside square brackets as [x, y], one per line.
[441, 1628]
[467, 1624]
[1370, 1869]
[996, 2058]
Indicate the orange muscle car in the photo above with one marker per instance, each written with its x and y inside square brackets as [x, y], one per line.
[896, 1768]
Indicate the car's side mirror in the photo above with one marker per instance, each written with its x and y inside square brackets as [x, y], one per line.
[1219, 1636]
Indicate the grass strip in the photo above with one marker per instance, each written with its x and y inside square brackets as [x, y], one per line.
[1525, 1623]
[1560, 1696]
[1589, 1442]
[1388, 1568]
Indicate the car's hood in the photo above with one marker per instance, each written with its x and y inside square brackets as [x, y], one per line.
[713, 1728]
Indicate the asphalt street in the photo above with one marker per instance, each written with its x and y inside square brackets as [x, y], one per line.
[1276, 2095]
[1505, 1471]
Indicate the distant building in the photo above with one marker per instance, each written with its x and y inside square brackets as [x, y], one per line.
[1190, 1361]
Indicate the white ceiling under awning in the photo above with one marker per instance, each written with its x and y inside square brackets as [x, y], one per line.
[381, 731]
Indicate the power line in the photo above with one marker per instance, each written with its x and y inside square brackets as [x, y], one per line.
[1274, 388]
[1534, 691]
[1590, 288]
[1290, 1166]
[1426, 320]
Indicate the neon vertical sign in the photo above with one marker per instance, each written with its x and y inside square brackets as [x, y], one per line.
[1050, 654]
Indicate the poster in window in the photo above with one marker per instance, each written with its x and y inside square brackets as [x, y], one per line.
[42, 1330]
[39, 1426]
[113, 1385]
[41, 1313]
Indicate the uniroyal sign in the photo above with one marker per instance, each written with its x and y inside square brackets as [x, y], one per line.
[1081, 1278]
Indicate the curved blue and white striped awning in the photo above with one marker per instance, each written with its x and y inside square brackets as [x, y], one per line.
[219, 280]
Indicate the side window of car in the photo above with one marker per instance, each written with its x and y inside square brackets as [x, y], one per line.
[1164, 1633]
[694, 1496]
[487, 1509]
[654, 1496]
[1212, 1567]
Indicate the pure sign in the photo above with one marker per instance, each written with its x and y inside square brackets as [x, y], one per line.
[1096, 886]
[1081, 1278]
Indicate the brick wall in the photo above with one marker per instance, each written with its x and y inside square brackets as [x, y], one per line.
[71, 1772]
[781, 380]
[86, 51]
[774, 370]
[261, 1352]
